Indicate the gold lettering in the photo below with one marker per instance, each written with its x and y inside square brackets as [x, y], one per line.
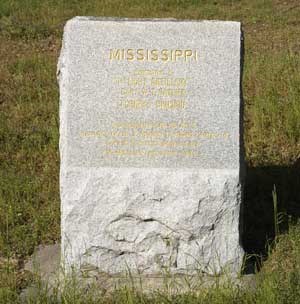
[178, 53]
[154, 54]
[130, 55]
[115, 54]
[170, 104]
[140, 54]
[134, 104]
[183, 55]
[187, 54]
[164, 56]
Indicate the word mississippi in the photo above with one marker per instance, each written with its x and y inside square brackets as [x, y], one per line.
[153, 55]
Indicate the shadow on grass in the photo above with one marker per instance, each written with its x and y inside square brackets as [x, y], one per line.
[258, 225]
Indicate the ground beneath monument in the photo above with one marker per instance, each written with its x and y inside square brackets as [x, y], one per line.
[45, 263]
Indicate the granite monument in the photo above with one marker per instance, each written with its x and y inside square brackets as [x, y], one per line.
[151, 145]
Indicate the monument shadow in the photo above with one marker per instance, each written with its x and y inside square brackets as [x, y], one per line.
[258, 211]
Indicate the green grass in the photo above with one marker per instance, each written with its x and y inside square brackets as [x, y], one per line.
[30, 35]
[278, 282]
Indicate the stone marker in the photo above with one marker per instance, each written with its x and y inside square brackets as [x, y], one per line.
[151, 145]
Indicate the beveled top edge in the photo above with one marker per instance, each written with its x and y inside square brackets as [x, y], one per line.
[122, 19]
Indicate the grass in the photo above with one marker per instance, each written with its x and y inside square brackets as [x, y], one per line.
[277, 282]
[30, 35]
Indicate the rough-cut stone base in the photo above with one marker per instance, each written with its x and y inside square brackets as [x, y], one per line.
[146, 219]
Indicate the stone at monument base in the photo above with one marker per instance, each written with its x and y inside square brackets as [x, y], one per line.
[147, 220]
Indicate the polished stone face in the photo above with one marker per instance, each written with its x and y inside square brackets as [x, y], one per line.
[150, 144]
[160, 94]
